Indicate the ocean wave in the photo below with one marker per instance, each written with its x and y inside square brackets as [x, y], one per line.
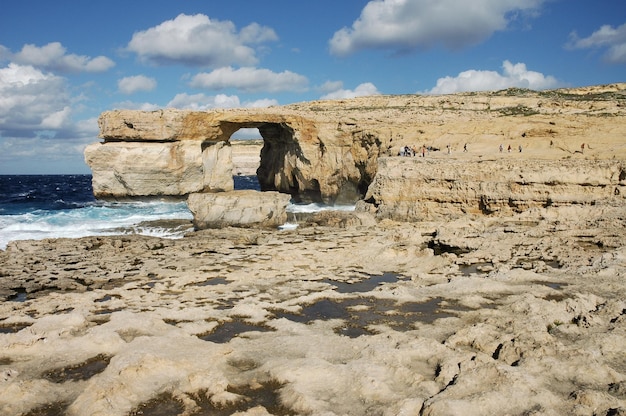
[144, 218]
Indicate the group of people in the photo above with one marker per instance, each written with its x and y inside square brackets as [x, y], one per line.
[411, 151]
[519, 148]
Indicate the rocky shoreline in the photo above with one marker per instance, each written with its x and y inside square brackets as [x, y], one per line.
[465, 282]
[517, 314]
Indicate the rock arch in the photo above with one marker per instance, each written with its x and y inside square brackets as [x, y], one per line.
[176, 153]
[279, 159]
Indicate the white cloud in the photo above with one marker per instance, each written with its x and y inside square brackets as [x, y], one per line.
[53, 57]
[606, 37]
[331, 86]
[199, 41]
[361, 90]
[255, 33]
[249, 79]
[405, 25]
[131, 85]
[132, 105]
[201, 102]
[37, 134]
[513, 75]
[264, 102]
[31, 100]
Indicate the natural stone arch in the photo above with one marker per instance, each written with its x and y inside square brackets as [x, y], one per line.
[279, 159]
[176, 152]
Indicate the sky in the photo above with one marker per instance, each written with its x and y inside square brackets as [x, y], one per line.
[64, 62]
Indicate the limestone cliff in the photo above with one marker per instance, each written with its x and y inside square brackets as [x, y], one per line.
[438, 188]
[329, 150]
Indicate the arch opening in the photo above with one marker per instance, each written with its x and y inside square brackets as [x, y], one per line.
[280, 160]
[246, 144]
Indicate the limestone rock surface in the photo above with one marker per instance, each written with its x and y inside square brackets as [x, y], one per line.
[419, 188]
[521, 314]
[328, 150]
[133, 169]
[238, 208]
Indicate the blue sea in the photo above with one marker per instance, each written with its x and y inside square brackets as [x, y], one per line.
[34, 207]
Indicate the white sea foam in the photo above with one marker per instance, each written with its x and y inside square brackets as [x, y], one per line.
[96, 219]
[114, 219]
[315, 207]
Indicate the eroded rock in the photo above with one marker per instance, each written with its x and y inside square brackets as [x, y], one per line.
[238, 208]
[328, 150]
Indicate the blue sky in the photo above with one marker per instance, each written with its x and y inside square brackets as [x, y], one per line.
[64, 62]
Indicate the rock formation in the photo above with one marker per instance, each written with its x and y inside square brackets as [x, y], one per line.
[238, 208]
[412, 189]
[329, 150]
[518, 315]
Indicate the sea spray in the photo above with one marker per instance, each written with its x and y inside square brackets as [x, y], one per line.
[34, 207]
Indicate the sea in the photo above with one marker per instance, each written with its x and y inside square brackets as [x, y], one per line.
[35, 207]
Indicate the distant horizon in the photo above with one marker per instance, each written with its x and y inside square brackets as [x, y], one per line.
[56, 78]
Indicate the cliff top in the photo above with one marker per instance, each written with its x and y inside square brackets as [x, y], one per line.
[551, 124]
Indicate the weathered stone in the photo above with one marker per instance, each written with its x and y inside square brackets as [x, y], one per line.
[341, 219]
[238, 208]
[328, 150]
[131, 169]
[426, 188]
[355, 320]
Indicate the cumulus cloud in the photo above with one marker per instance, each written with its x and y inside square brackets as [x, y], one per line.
[131, 85]
[614, 39]
[250, 79]
[362, 90]
[133, 105]
[199, 41]
[406, 25]
[201, 102]
[31, 100]
[263, 102]
[37, 132]
[513, 75]
[54, 57]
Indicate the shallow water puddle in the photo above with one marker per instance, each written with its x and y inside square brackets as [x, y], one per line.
[213, 282]
[264, 394]
[12, 328]
[52, 409]
[557, 297]
[162, 405]
[441, 248]
[551, 285]
[82, 371]
[228, 330]
[475, 268]
[359, 313]
[19, 296]
[364, 285]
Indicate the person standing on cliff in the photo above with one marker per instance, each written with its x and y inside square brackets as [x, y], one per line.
[582, 148]
[465, 148]
[501, 147]
[448, 146]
